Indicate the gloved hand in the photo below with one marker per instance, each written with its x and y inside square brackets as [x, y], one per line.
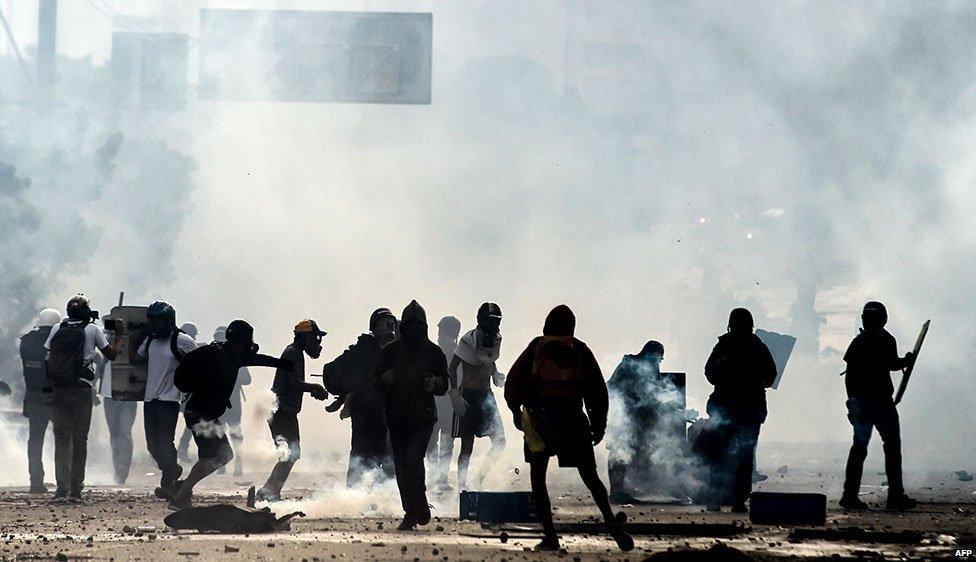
[498, 379]
[388, 377]
[596, 435]
[909, 359]
[460, 404]
[318, 392]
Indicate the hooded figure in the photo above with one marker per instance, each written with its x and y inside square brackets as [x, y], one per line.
[870, 359]
[411, 370]
[741, 368]
[557, 395]
[644, 406]
[351, 378]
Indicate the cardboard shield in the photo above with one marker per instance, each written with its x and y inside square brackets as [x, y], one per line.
[781, 347]
[129, 380]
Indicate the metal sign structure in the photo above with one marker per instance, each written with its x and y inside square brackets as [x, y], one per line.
[149, 70]
[315, 56]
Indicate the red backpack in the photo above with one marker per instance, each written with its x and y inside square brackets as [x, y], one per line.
[557, 369]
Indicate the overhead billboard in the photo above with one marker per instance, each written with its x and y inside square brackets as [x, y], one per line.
[315, 56]
[149, 70]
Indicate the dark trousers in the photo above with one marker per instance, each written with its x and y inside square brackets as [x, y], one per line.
[409, 447]
[120, 415]
[287, 438]
[38, 416]
[731, 475]
[160, 417]
[370, 449]
[71, 409]
[864, 417]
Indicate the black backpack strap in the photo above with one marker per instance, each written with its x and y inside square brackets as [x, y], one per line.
[173, 347]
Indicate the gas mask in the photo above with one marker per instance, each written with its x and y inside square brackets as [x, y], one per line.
[488, 330]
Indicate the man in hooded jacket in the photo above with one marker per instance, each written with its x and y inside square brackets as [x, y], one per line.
[351, 377]
[547, 389]
[640, 393]
[741, 368]
[411, 370]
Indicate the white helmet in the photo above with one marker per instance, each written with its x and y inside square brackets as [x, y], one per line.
[48, 317]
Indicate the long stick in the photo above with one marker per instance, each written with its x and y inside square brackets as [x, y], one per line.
[13, 43]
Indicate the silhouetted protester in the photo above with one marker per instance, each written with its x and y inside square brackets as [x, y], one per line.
[120, 416]
[473, 400]
[36, 410]
[233, 416]
[70, 371]
[209, 374]
[183, 449]
[636, 388]
[289, 387]
[870, 359]
[741, 368]
[411, 370]
[351, 377]
[163, 349]
[441, 445]
[547, 390]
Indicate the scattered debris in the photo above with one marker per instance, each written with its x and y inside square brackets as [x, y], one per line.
[229, 548]
[856, 534]
[964, 476]
[718, 553]
[716, 530]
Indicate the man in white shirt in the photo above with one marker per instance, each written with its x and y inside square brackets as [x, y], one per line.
[164, 348]
[120, 416]
[71, 352]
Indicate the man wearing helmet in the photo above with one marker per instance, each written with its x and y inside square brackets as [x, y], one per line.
[164, 348]
[870, 359]
[473, 401]
[209, 374]
[71, 349]
[289, 388]
[350, 377]
[32, 354]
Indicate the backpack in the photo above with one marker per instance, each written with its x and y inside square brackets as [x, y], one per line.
[173, 347]
[66, 357]
[557, 371]
[187, 375]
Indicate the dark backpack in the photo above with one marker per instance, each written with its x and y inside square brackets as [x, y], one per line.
[557, 372]
[66, 357]
[188, 373]
[173, 347]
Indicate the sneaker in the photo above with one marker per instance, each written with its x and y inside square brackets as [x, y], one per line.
[622, 498]
[423, 515]
[267, 495]
[408, 523]
[75, 497]
[853, 504]
[38, 488]
[549, 543]
[623, 539]
[901, 503]
[714, 507]
[180, 505]
[60, 496]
